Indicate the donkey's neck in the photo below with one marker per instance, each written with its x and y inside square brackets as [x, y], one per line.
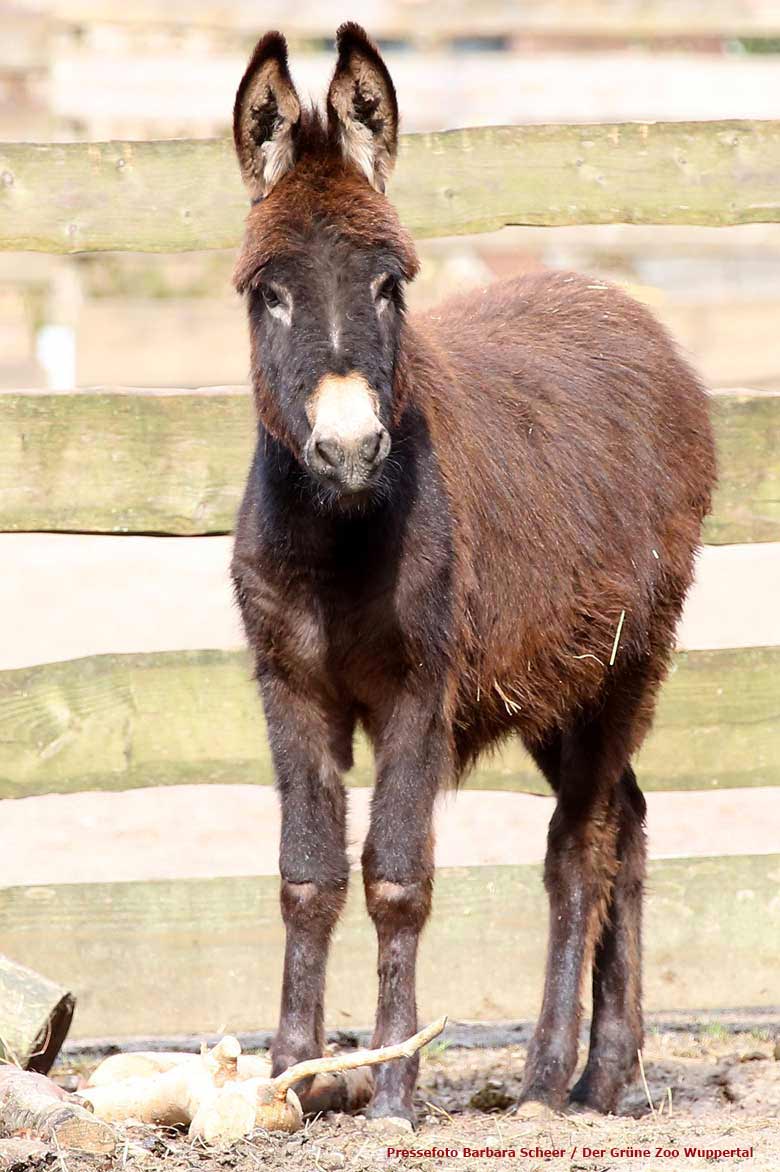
[306, 528]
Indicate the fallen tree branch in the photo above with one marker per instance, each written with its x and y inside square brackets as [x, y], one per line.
[25, 1153]
[32, 1106]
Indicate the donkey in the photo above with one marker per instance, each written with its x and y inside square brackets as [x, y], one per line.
[479, 523]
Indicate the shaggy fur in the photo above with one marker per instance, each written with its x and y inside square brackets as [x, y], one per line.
[516, 566]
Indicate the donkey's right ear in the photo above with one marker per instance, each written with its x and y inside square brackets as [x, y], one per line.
[266, 117]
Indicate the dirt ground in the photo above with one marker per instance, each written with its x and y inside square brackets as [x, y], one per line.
[712, 1089]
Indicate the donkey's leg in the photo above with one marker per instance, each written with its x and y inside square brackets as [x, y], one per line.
[616, 1029]
[310, 749]
[579, 870]
[413, 756]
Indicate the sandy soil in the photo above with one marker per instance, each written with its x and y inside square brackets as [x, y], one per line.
[711, 1090]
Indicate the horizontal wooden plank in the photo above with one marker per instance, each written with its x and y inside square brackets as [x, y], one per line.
[230, 830]
[84, 462]
[119, 722]
[167, 94]
[25, 48]
[195, 956]
[730, 337]
[114, 462]
[425, 18]
[747, 500]
[75, 197]
[75, 595]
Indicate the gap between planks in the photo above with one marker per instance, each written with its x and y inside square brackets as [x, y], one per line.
[233, 830]
[68, 596]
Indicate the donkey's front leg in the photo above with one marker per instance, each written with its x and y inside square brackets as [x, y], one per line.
[311, 748]
[413, 756]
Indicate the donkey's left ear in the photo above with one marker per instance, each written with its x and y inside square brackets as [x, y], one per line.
[362, 107]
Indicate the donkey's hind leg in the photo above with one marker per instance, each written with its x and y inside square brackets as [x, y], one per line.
[616, 1028]
[585, 770]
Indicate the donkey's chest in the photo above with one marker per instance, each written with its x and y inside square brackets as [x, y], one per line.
[338, 637]
[368, 653]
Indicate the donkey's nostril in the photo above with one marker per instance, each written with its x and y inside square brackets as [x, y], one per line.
[330, 452]
[351, 460]
[369, 448]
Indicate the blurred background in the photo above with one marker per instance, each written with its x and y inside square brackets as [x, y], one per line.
[138, 826]
[103, 69]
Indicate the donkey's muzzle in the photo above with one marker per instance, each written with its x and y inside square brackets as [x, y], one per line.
[351, 463]
[348, 442]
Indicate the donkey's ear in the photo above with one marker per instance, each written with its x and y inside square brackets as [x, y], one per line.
[266, 117]
[362, 107]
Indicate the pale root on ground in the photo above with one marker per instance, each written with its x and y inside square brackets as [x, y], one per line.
[208, 1093]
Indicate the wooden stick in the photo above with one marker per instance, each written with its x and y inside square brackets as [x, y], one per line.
[33, 1105]
[21, 1153]
[350, 1061]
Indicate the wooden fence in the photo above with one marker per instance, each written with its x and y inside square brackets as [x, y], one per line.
[427, 19]
[174, 196]
[123, 673]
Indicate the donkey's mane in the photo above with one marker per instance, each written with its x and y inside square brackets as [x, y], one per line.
[324, 193]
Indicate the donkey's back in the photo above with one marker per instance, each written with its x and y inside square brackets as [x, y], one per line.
[578, 444]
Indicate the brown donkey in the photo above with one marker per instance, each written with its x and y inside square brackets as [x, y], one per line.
[447, 523]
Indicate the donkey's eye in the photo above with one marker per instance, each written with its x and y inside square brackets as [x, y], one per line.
[386, 288]
[277, 301]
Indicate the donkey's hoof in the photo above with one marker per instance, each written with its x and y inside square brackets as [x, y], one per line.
[538, 1101]
[588, 1095]
[388, 1123]
[534, 1109]
[391, 1110]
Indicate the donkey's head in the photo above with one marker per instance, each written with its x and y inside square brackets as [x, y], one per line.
[324, 261]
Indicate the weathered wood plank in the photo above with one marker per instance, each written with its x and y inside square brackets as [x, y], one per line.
[731, 338]
[74, 197]
[84, 462]
[426, 18]
[114, 462]
[151, 958]
[717, 726]
[747, 500]
[123, 721]
[154, 94]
